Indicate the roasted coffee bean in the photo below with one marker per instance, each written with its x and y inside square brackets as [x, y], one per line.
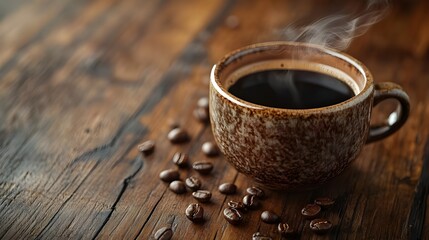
[260, 236]
[203, 167]
[180, 159]
[202, 115]
[203, 103]
[193, 183]
[256, 191]
[177, 187]
[202, 195]
[269, 217]
[311, 211]
[227, 188]
[324, 202]
[237, 205]
[169, 175]
[210, 149]
[178, 135]
[163, 233]
[195, 212]
[232, 215]
[320, 226]
[285, 230]
[146, 148]
[250, 201]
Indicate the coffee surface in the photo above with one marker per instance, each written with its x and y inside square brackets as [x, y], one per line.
[291, 89]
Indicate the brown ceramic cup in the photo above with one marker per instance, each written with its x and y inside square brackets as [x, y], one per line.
[297, 148]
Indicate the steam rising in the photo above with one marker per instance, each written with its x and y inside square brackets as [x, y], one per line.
[338, 30]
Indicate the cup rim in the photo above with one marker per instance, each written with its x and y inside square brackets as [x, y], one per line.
[360, 97]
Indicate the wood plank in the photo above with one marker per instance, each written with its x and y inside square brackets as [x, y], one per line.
[65, 184]
[82, 85]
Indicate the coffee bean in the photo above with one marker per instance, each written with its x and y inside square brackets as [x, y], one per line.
[203, 167]
[178, 135]
[180, 159]
[202, 195]
[311, 211]
[269, 217]
[260, 236]
[193, 183]
[163, 233]
[177, 187]
[203, 103]
[146, 148]
[210, 149]
[285, 230]
[232, 215]
[237, 205]
[195, 212]
[320, 226]
[250, 201]
[227, 188]
[256, 191]
[202, 115]
[169, 175]
[324, 202]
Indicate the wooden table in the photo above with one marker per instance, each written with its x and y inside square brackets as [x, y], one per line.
[83, 82]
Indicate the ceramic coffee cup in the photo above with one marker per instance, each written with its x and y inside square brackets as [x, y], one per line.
[297, 148]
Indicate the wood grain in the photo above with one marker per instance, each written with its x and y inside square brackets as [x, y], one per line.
[83, 82]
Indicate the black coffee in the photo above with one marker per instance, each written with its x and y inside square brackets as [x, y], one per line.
[292, 89]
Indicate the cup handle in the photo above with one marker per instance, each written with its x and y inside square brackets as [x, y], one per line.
[397, 118]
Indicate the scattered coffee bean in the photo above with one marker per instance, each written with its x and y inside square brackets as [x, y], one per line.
[269, 217]
[250, 201]
[232, 215]
[311, 211]
[320, 226]
[163, 233]
[147, 147]
[260, 236]
[203, 167]
[193, 183]
[285, 230]
[256, 191]
[203, 103]
[195, 212]
[210, 149]
[324, 202]
[202, 195]
[237, 205]
[202, 115]
[227, 188]
[180, 159]
[178, 135]
[232, 22]
[177, 187]
[169, 175]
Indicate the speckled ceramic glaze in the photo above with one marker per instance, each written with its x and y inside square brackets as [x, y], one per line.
[289, 149]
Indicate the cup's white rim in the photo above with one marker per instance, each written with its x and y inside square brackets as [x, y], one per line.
[360, 97]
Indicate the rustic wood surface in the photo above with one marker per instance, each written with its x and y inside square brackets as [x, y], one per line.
[83, 82]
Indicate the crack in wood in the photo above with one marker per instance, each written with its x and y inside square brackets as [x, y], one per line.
[65, 203]
[416, 218]
[125, 184]
[214, 238]
[150, 214]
